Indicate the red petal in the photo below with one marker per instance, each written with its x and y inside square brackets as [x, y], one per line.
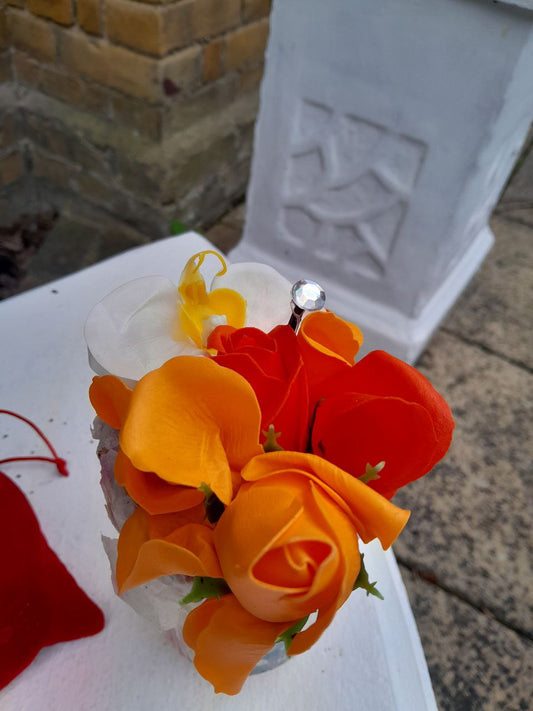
[379, 373]
[354, 430]
[273, 366]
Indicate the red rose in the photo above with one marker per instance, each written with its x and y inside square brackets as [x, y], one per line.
[273, 366]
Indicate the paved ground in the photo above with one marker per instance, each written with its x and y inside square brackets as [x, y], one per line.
[467, 553]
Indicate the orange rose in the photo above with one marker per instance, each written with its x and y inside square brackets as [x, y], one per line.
[287, 547]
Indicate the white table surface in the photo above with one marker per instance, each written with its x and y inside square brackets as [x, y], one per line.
[369, 658]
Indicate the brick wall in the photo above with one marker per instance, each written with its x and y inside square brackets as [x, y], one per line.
[142, 108]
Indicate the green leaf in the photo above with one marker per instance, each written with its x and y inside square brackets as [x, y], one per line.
[364, 582]
[290, 634]
[271, 442]
[177, 227]
[203, 588]
[371, 472]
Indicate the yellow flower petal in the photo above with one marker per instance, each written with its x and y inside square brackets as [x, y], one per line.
[197, 305]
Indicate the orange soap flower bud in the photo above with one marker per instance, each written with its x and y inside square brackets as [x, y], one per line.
[287, 544]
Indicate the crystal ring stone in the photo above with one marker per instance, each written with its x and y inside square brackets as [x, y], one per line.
[306, 295]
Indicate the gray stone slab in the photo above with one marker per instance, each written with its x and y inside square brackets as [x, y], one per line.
[472, 526]
[496, 309]
[475, 663]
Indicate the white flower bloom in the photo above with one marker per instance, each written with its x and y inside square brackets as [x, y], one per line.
[145, 322]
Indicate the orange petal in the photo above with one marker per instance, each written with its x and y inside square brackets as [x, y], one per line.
[110, 398]
[304, 640]
[296, 553]
[188, 550]
[152, 493]
[228, 641]
[191, 422]
[328, 346]
[330, 336]
[372, 514]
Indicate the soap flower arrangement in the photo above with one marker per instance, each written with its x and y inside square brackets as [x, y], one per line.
[254, 454]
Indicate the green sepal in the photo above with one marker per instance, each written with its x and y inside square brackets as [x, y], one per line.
[203, 587]
[371, 472]
[364, 582]
[291, 633]
[271, 442]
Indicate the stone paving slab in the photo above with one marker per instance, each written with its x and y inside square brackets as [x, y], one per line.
[497, 307]
[472, 526]
[475, 663]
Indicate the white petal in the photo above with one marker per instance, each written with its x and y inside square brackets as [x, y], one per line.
[267, 293]
[130, 331]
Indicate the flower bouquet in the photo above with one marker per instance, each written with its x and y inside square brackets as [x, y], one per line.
[245, 453]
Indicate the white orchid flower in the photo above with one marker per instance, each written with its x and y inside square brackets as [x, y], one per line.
[145, 322]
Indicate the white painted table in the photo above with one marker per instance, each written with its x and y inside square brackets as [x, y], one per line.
[371, 655]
